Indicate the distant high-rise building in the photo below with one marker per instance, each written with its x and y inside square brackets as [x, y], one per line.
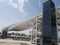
[49, 24]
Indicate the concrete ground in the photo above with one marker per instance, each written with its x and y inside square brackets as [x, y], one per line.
[13, 42]
[59, 43]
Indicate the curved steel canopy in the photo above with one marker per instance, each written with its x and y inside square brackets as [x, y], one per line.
[24, 25]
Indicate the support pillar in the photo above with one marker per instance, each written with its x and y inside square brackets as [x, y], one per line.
[4, 34]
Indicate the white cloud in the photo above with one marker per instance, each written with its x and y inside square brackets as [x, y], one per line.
[40, 2]
[10, 1]
[26, 13]
[18, 4]
[21, 9]
[4, 0]
[21, 4]
[14, 5]
[26, 0]
[1, 0]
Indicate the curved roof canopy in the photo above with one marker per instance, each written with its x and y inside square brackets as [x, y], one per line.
[24, 25]
[27, 24]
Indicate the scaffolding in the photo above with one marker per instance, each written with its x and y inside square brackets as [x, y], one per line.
[36, 36]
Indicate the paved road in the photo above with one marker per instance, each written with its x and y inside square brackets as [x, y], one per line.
[13, 42]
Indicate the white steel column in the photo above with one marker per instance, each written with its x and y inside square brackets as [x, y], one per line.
[36, 31]
[31, 32]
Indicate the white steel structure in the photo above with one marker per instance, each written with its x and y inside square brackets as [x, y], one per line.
[36, 32]
[36, 24]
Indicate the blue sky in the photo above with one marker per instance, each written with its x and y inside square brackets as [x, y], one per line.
[14, 11]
